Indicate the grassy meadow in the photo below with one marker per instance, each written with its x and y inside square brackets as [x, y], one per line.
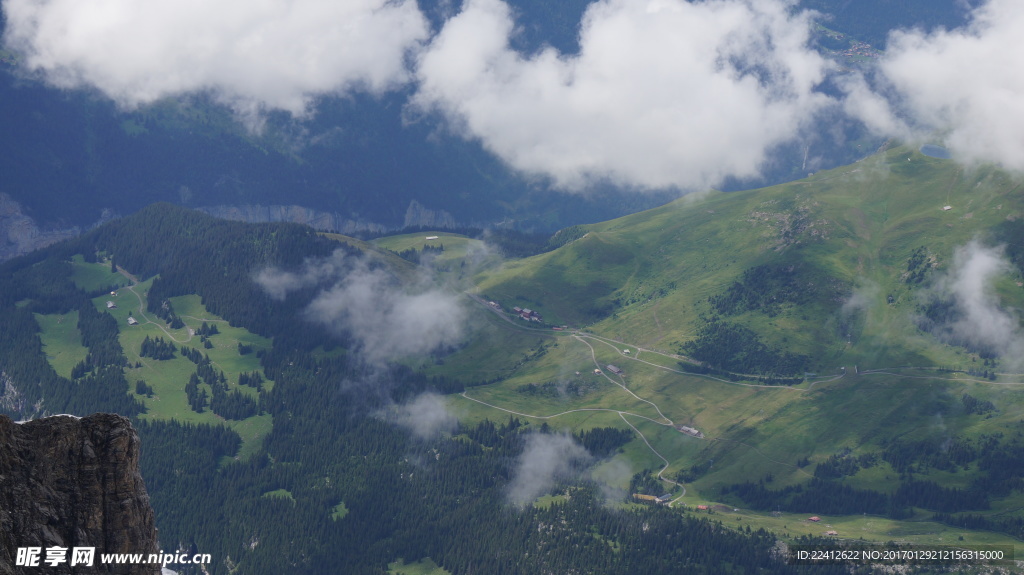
[644, 282]
[63, 347]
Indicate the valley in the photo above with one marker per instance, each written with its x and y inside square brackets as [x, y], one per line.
[759, 357]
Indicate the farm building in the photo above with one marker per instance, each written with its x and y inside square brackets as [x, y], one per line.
[614, 369]
[597, 372]
[111, 305]
[689, 431]
[664, 499]
[132, 321]
[702, 508]
[814, 519]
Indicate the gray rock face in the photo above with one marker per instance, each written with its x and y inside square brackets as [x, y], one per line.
[321, 221]
[415, 215]
[73, 482]
[19, 234]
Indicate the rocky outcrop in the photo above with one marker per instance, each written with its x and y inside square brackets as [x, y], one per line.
[73, 482]
[19, 233]
[322, 221]
[415, 215]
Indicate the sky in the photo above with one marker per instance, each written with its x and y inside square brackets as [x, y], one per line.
[661, 94]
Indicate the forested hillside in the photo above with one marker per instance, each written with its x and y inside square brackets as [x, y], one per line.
[336, 486]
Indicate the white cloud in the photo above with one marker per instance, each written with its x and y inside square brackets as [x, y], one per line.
[980, 321]
[279, 283]
[426, 416]
[250, 53]
[966, 84]
[384, 318]
[664, 93]
[545, 459]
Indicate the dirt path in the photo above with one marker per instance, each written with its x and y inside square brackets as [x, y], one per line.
[660, 456]
[142, 312]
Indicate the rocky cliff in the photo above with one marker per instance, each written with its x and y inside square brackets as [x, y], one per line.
[415, 215]
[20, 234]
[73, 482]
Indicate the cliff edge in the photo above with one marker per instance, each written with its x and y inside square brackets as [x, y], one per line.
[73, 482]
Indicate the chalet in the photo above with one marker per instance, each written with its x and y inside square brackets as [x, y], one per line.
[625, 351]
[494, 305]
[690, 431]
[814, 519]
[831, 533]
[597, 372]
[517, 309]
[111, 305]
[702, 508]
[614, 369]
[132, 321]
[664, 499]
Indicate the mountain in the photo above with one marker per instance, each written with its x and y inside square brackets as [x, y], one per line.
[279, 442]
[835, 264]
[778, 354]
[844, 344]
[73, 482]
[72, 158]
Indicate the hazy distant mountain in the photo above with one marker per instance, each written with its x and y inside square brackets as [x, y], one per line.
[68, 155]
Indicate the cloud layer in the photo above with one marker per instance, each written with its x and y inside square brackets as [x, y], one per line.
[249, 53]
[663, 93]
[965, 84]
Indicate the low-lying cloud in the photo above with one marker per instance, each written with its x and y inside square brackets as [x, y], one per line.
[426, 416]
[546, 459]
[279, 283]
[978, 320]
[251, 54]
[384, 318]
[964, 85]
[663, 93]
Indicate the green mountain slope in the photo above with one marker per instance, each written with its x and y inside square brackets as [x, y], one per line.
[780, 261]
[805, 331]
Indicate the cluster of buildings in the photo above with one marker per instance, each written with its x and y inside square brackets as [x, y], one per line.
[861, 49]
[527, 314]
